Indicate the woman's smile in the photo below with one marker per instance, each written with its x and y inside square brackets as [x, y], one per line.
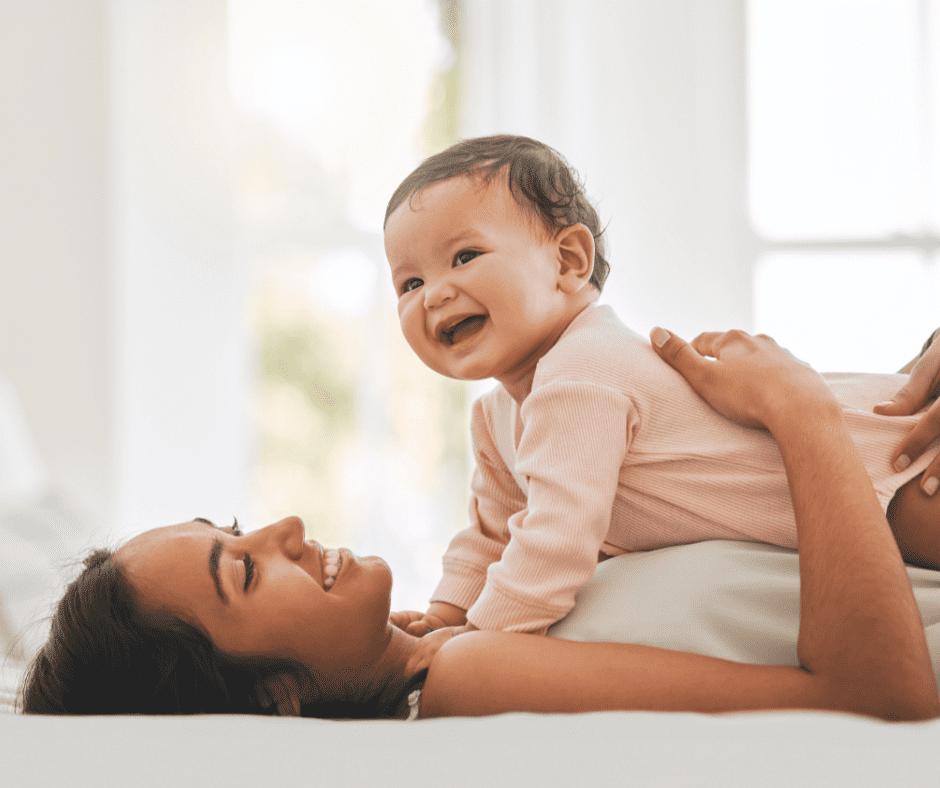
[332, 563]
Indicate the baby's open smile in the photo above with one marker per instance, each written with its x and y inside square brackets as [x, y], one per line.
[457, 329]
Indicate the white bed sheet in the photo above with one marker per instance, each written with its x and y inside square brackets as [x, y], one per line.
[626, 748]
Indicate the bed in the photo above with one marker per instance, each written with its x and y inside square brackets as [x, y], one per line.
[667, 598]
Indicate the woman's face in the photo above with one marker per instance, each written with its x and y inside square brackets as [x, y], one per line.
[263, 594]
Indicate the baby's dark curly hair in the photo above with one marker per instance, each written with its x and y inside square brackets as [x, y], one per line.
[539, 179]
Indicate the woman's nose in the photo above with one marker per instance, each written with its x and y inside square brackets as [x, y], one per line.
[288, 535]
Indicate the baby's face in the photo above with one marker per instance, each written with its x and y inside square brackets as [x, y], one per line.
[477, 279]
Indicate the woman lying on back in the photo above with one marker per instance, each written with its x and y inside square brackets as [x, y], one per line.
[193, 618]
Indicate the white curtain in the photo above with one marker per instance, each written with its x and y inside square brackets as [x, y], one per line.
[647, 101]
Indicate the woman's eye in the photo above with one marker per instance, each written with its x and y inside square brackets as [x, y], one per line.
[249, 570]
[236, 531]
[411, 284]
[464, 257]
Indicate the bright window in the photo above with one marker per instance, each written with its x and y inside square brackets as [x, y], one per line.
[843, 186]
[338, 102]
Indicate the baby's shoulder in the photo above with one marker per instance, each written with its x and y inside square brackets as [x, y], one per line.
[597, 348]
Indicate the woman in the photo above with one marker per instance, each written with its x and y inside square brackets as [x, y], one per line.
[195, 618]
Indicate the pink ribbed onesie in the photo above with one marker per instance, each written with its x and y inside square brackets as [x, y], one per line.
[613, 451]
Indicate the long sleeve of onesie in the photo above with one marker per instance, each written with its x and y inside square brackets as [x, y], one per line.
[495, 497]
[572, 439]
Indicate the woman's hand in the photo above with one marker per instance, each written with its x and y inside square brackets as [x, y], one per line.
[752, 380]
[924, 385]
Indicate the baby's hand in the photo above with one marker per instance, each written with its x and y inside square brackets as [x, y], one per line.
[439, 615]
[415, 623]
[403, 618]
[281, 690]
[426, 625]
[428, 646]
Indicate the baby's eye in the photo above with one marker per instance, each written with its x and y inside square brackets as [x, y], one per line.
[465, 257]
[411, 284]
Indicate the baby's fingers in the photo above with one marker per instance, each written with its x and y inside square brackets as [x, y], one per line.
[281, 691]
[418, 628]
[404, 618]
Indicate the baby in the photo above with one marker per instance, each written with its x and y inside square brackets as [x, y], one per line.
[591, 446]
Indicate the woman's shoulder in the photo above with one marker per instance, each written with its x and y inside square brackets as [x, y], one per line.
[461, 680]
[480, 673]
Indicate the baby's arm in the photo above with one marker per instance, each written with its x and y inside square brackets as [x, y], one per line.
[572, 447]
[495, 498]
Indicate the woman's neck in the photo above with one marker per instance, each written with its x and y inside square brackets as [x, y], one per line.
[382, 684]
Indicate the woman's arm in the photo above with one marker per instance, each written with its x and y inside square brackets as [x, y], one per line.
[861, 642]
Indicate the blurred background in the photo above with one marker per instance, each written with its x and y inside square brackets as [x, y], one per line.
[195, 312]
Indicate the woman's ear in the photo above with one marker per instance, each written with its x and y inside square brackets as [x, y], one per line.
[575, 245]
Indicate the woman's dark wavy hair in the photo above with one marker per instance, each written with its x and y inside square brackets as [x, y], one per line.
[106, 655]
[539, 179]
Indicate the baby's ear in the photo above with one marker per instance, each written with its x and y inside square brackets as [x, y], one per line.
[575, 245]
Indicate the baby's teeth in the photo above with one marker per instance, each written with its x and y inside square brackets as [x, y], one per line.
[328, 583]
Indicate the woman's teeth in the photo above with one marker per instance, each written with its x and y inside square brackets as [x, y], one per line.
[331, 564]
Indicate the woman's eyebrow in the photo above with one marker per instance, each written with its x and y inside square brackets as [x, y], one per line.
[214, 554]
[204, 520]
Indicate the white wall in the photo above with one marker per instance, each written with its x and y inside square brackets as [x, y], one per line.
[181, 381]
[647, 101]
[121, 304]
[54, 265]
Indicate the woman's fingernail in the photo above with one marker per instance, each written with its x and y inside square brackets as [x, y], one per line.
[885, 404]
[901, 463]
[931, 485]
[660, 336]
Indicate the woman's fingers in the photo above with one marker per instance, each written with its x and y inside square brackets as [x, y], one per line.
[745, 378]
[719, 379]
[680, 355]
[918, 439]
[923, 384]
[710, 343]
